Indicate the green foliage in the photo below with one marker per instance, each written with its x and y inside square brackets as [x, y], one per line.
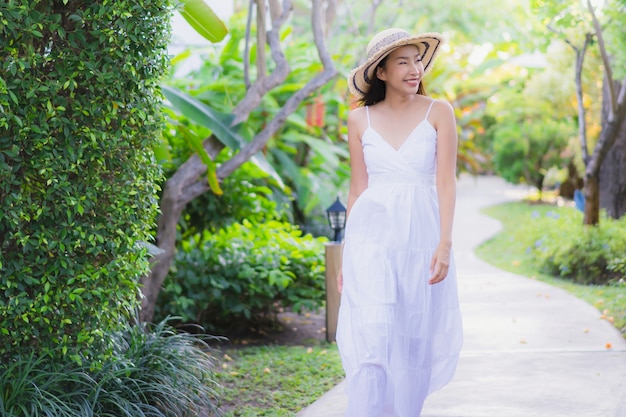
[249, 195]
[153, 372]
[243, 274]
[615, 39]
[527, 142]
[563, 246]
[250, 192]
[310, 159]
[79, 114]
[277, 380]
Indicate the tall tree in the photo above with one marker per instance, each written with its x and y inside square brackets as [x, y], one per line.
[580, 28]
[613, 170]
[189, 181]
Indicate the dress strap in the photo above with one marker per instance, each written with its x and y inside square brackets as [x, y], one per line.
[429, 107]
[367, 111]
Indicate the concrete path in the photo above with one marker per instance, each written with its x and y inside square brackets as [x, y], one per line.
[531, 350]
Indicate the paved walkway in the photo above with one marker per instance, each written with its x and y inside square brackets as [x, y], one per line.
[531, 350]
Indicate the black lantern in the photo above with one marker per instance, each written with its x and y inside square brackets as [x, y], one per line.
[337, 218]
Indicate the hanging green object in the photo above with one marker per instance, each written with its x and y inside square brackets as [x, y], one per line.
[203, 19]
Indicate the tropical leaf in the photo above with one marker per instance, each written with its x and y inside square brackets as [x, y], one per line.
[195, 143]
[260, 161]
[162, 151]
[203, 19]
[220, 125]
[200, 113]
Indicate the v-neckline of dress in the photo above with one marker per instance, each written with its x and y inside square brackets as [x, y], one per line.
[407, 139]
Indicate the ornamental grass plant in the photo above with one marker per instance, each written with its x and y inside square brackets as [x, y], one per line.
[153, 373]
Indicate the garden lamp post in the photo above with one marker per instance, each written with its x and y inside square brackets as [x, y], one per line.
[337, 218]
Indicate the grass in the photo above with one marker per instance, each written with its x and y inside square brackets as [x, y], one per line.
[507, 253]
[276, 380]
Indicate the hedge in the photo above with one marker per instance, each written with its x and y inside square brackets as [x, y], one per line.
[79, 112]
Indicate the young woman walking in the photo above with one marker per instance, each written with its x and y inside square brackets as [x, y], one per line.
[399, 332]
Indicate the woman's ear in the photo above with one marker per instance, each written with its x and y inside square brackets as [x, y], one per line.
[380, 73]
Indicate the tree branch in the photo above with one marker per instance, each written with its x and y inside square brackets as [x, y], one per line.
[261, 11]
[605, 60]
[292, 103]
[246, 52]
[582, 112]
[375, 5]
[622, 92]
[330, 15]
[578, 77]
[275, 10]
[264, 84]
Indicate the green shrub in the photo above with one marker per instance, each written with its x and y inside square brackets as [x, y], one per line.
[154, 372]
[243, 274]
[79, 112]
[563, 246]
[248, 194]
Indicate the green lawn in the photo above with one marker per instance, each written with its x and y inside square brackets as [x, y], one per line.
[276, 380]
[504, 252]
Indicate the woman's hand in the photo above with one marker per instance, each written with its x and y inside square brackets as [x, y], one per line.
[440, 263]
[339, 282]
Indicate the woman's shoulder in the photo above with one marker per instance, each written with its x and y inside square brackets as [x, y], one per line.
[358, 116]
[440, 105]
[441, 114]
[441, 109]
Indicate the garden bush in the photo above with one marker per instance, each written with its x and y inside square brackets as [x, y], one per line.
[154, 372]
[563, 246]
[79, 113]
[243, 274]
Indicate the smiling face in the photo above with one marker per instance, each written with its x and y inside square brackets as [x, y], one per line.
[403, 69]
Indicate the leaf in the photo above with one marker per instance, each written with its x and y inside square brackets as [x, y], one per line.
[197, 111]
[219, 123]
[260, 161]
[204, 20]
[195, 143]
[162, 151]
[181, 57]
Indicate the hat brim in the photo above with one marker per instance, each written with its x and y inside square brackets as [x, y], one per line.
[361, 77]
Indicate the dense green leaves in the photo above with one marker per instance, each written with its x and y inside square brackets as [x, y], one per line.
[563, 246]
[243, 273]
[80, 112]
[527, 142]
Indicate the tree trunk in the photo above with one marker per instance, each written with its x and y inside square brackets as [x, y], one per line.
[610, 131]
[173, 201]
[613, 170]
[188, 181]
[592, 201]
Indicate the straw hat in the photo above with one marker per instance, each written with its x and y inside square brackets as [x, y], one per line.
[381, 45]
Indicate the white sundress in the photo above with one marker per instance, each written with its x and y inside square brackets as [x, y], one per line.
[398, 336]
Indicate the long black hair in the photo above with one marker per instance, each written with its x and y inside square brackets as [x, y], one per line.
[377, 89]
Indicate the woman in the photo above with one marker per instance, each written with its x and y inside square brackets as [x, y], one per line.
[399, 332]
